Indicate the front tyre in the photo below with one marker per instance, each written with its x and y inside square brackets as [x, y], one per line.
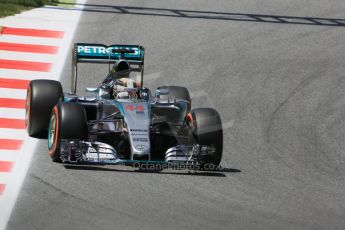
[67, 121]
[206, 126]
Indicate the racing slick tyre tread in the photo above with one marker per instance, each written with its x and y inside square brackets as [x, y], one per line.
[69, 123]
[178, 92]
[42, 96]
[207, 130]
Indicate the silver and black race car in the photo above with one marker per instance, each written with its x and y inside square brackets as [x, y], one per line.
[122, 122]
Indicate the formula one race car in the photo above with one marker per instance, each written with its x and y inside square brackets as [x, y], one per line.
[122, 122]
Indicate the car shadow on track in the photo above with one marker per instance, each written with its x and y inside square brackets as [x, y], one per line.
[211, 15]
[184, 172]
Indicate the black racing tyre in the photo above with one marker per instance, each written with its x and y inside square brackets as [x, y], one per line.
[177, 92]
[42, 96]
[207, 129]
[67, 121]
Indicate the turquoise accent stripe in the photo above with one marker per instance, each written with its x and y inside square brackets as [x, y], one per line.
[120, 107]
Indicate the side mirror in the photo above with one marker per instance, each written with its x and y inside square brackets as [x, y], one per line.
[163, 90]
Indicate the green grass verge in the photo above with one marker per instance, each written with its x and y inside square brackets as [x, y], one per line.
[11, 7]
[7, 9]
[66, 3]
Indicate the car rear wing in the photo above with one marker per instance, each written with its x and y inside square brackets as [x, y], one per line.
[99, 53]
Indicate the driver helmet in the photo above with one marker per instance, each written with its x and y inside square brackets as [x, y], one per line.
[123, 84]
[121, 66]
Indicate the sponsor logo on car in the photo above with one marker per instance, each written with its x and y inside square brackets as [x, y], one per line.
[137, 108]
[141, 147]
[140, 140]
[139, 130]
[94, 49]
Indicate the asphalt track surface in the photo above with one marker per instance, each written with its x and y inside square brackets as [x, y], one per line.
[273, 69]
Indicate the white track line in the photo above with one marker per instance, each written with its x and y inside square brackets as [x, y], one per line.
[31, 40]
[41, 18]
[13, 134]
[24, 74]
[5, 178]
[12, 113]
[13, 93]
[23, 56]
[9, 155]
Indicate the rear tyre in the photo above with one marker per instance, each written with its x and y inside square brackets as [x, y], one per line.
[42, 96]
[207, 129]
[67, 121]
[175, 92]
